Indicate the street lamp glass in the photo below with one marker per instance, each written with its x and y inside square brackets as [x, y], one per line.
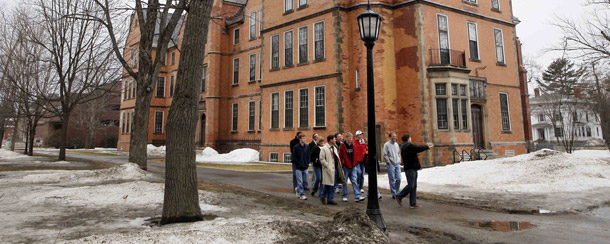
[369, 22]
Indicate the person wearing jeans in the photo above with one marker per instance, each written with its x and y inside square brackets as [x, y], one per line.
[391, 155]
[346, 155]
[293, 143]
[408, 152]
[359, 150]
[317, 166]
[300, 160]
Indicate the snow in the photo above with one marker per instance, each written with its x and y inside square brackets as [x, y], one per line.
[546, 179]
[7, 155]
[155, 151]
[237, 156]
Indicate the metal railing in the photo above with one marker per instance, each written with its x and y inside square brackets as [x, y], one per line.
[447, 57]
[472, 155]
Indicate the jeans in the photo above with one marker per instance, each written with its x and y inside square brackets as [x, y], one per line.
[301, 176]
[317, 175]
[360, 175]
[328, 191]
[351, 175]
[411, 187]
[294, 177]
[394, 177]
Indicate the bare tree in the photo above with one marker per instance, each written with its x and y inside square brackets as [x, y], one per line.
[181, 201]
[597, 92]
[80, 51]
[150, 17]
[90, 115]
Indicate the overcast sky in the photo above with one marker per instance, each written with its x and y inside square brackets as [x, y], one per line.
[535, 31]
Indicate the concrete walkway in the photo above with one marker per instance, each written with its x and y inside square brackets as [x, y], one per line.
[465, 224]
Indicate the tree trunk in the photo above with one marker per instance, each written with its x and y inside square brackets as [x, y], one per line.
[64, 136]
[15, 131]
[181, 200]
[2, 129]
[139, 132]
[32, 133]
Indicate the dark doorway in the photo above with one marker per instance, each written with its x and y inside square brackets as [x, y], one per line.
[477, 127]
[202, 135]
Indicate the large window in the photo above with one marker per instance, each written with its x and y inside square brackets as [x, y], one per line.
[499, 39]
[252, 25]
[303, 108]
[495, 5]
[273, 157]
[123, 123]
[456, 114]
[133, 92]
[302, 3]
[129, 96]
[158, 122]
[128, 121]
[275, 110]
[236, 36]
[464, 114]
[171, 86]
[252, 67]
[320, 103]
[441, 106]
[161, 87]
[173, 58]
[235, 71]
[260, 115]
[473, 41]
[287, 5]
[443, 35]
[288, 109]
[234, 117]
[260, 66]
[204, 78]
[504, 111]
[477, 89]
[251, 115]
[318, 29]
[275, 52]
[288, 48]
[303, 55]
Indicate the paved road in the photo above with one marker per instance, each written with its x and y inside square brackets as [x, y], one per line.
[593, 227]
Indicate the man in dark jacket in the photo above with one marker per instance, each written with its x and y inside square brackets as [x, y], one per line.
[408, 153]
[293, 143]
[312, 144]
[314, 157]
[300, 161]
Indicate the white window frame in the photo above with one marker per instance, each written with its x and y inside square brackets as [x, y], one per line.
[315, 115]
[476, 28]
[271, 110]
[260, 65]
[162, 121]
[357, 79]
[299, 107]
[471, 1]
[496, 47]
[313, 38]
[284, 157]
[236, 41]
[301, 4]
[233, 72]
[252, 111]
[438, 32]
[260, 22]
[250, 67]
[204, 84]
[510, 127]
[157, 87]
[284, 48]
[492, 5]
[277, 154]
[252, 24]
[173, 58]
[233, 115]
[279, 53]
[299, 44]
[286, 5]
[284, 109]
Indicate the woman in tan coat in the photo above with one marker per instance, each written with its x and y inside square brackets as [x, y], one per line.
[329, 158]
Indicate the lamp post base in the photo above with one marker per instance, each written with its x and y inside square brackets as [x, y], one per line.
[375, 215]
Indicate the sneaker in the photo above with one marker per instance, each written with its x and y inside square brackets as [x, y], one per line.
[323, 200]
[303, 197]
[331, 203]
[344, 199]
[380, 197]
[415, 206]
[296, 191]
[337, 190]
[399, 202]
[361, 190]
[313, 193]
[360, 199]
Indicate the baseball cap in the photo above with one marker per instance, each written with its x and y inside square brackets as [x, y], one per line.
[359, 132]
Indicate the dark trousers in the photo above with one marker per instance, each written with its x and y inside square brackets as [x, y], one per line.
[317, 171]
[411, 187]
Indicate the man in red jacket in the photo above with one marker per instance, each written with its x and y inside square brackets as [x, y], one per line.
[346, 154]
[359, 150]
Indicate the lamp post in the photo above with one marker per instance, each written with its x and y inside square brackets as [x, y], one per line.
[369, 22]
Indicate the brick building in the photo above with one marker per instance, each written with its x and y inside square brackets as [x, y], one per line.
[446, 72]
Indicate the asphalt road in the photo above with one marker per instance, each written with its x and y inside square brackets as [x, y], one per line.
[445, 219]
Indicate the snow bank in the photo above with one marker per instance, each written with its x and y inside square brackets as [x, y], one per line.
[592, 154]
[125, 172]
[238, 156]
[7, 155]
[155, 151]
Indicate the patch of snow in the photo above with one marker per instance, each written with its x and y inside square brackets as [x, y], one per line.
[7, 154]
[592, 153]
[155, 151]
[237, 156]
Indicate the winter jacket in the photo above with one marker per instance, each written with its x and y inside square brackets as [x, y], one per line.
[312, 145]
[329, 165]
[300, 156]
[344, 155]
[391, 153]
[359, 149]
[293, 143]
[314, 156]
[408, 152]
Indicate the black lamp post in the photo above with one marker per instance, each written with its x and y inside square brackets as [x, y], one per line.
[369, 23]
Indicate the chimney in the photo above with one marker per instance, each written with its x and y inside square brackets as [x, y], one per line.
[536, 92]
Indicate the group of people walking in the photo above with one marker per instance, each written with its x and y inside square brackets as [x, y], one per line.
[336, 160]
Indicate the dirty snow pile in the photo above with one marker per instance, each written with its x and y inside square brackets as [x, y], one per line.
[6, 154]
[155, 151]
[545, 179]
[237, 156]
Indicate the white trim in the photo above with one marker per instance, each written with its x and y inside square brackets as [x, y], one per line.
[314, 106]
[173, 58]
[233, 72]
[299, 107]
[276, 153]
[438, 32]
[301, 5]
[250, 25]
[157, 87]
[233, 116]
[510, 127]
[286, 91]
[239, 38]
[271, 51]
[284, 157]
[284, 48]
[495, 47]
[162, 120]
[476, 28]
[271, 110]
[313, 38]
[254, 122]
[291, 5]
[255, 67]
[492, 6]
[299, 43]
[357, 79]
